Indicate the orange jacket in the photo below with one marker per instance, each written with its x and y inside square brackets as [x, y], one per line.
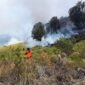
[28, 54]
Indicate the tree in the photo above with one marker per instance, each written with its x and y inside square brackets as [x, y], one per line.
[38, 31]
[54, 25]
[77, 14]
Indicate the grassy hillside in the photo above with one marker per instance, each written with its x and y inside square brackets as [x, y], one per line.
[44, 67]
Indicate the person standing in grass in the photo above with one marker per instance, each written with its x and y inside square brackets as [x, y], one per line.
[28, 53]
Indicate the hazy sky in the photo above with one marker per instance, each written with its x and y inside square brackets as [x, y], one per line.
[18, 16]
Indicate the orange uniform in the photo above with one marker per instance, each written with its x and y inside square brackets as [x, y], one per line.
[28, 54]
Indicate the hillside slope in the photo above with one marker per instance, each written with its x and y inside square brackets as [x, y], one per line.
[48, 65]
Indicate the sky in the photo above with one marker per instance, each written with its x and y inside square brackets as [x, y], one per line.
[17, 17]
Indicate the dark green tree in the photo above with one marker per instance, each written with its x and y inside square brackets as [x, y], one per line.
[38, 31]
[77, 14]
[54, 24]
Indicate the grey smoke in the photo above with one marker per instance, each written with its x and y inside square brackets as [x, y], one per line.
[17, 17]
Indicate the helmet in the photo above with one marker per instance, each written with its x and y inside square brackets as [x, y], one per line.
[28, 49]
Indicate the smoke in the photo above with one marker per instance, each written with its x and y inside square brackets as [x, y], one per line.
[65, 32]
[17, 17]
[43, 10]
[14, 17]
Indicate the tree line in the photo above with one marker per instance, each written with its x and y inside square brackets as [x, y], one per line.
[76, 16]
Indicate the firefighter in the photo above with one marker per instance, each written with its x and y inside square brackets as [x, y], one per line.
[28, 53]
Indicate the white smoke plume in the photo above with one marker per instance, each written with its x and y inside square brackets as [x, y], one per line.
[17, 17]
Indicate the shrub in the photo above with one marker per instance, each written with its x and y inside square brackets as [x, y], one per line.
[80, 48]
[65, 45]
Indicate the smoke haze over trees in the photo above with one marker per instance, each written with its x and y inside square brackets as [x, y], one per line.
[77, 14]
[18, 17]
[67, 26]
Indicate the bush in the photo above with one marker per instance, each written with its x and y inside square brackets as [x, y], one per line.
[77, 58]
[80, 48]
[65, 45]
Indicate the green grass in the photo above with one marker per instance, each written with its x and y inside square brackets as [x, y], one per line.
[12, 53]
[42, 55]
[12, 59]
[77, 58]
